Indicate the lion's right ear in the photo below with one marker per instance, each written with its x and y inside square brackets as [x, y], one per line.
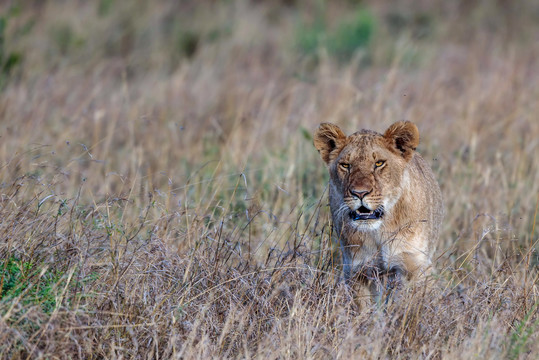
[403, 137]
[329, 140]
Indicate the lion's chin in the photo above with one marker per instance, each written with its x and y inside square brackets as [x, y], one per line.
[366, 225]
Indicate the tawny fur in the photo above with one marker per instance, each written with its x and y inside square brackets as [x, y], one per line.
[372, 171]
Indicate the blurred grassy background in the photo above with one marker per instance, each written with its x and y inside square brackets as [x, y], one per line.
[188, 124]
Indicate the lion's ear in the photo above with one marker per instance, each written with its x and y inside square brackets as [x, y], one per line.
[404, 137]
[329, 140]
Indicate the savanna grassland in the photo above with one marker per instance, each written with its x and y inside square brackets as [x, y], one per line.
[160, 196]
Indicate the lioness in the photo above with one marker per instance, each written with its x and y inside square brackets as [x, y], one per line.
[385, 202]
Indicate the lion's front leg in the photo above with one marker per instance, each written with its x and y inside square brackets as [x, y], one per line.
[394, 278]
[384, 285]
[347, 262]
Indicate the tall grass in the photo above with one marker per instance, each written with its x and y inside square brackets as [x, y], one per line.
[161, 196]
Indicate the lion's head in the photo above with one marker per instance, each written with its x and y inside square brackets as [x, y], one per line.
[367, 170]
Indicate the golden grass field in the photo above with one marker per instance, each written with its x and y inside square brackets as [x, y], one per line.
[160, 195]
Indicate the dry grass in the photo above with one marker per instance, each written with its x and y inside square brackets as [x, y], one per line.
[161, 197]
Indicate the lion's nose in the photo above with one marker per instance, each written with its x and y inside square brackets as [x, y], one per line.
[360, 194]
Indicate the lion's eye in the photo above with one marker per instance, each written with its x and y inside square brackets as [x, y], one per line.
[379, 163]
[344, 165]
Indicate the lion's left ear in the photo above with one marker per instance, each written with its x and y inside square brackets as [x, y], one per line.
[329, 140]
[403, 136]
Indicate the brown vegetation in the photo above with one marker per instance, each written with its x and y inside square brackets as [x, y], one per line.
[161, 197]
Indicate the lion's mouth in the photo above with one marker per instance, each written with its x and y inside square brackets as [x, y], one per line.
[366, 214]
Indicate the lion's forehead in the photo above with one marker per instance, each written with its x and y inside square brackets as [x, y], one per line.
[364, 146]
